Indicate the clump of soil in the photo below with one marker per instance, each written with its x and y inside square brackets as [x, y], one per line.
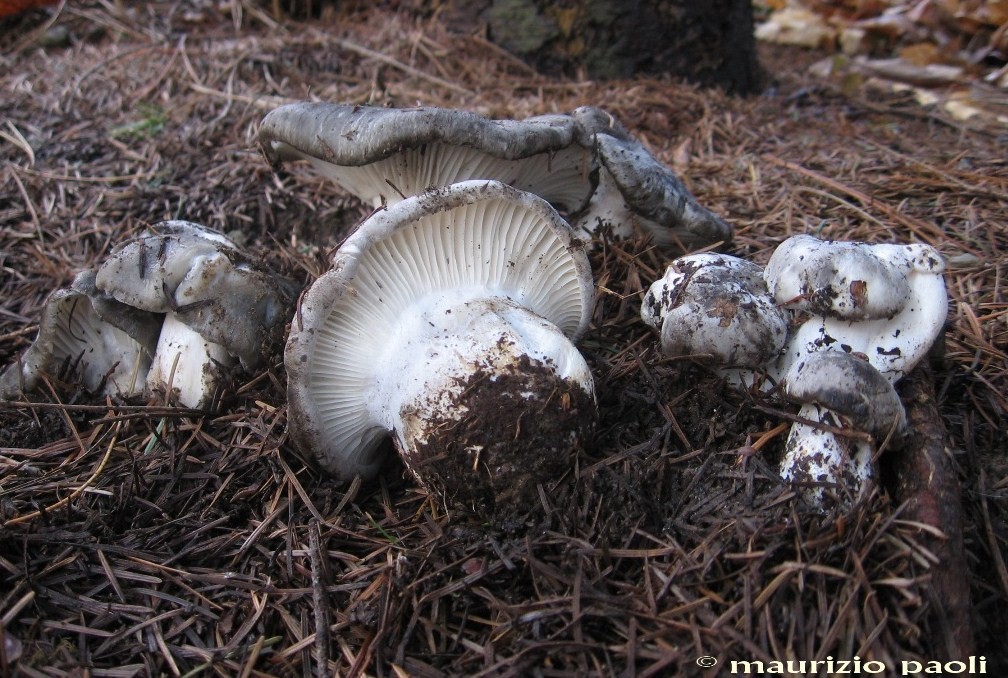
[521, 430]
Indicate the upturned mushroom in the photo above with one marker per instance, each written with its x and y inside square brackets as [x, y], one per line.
[447, 323]
[83, 337]
[217, 307]
[585, 164]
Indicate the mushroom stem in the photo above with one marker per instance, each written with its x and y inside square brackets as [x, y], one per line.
[186, 363]
[490, 394]
[820, 461]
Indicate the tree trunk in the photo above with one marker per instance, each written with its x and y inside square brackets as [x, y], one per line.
[710, 43]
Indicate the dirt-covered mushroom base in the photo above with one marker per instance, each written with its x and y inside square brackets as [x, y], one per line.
[518, 435]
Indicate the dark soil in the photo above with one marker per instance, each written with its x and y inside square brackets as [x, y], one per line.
[522, 429]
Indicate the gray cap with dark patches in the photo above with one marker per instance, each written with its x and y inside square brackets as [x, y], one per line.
[199, 275]
[577, 162]
[850, 386]
[357, 135]
[653, 192]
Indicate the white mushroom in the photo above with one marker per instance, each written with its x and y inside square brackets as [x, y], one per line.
[218, 308]
[585, 164]
[75, 341]
[447, 321]
[718, 306]
[887, 302]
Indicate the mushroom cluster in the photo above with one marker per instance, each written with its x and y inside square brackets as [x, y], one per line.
[168, 311]
[585, 164]
[447, 322]
[834, 324]
[447, 319]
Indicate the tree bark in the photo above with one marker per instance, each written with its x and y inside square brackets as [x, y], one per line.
[710, 43]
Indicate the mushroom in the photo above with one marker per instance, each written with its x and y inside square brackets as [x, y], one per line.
[837, 391]
[585, 164]
[868, 314]
[835, 323]
[447, 322]
[717, 306]
[218, 308]
[74, 337]
[884, 301]
[383, 155]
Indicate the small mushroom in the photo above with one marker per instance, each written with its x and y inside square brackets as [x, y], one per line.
[383, 155]
[218, 308]
[447, 322]
[718, 306]
[585, 164]
[868, 314]
[843, 392]
[75, 339]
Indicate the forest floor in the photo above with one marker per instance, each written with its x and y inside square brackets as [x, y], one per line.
[142, 539]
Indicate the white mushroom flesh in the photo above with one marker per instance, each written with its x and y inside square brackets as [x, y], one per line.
[186, 366]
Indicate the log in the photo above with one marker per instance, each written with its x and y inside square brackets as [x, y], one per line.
[923, 478]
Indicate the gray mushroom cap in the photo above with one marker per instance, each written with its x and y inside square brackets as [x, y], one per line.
[849, 386]
[585, 164]
[143, 326]
[635, 187]
[383, 155]
[199, 276]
